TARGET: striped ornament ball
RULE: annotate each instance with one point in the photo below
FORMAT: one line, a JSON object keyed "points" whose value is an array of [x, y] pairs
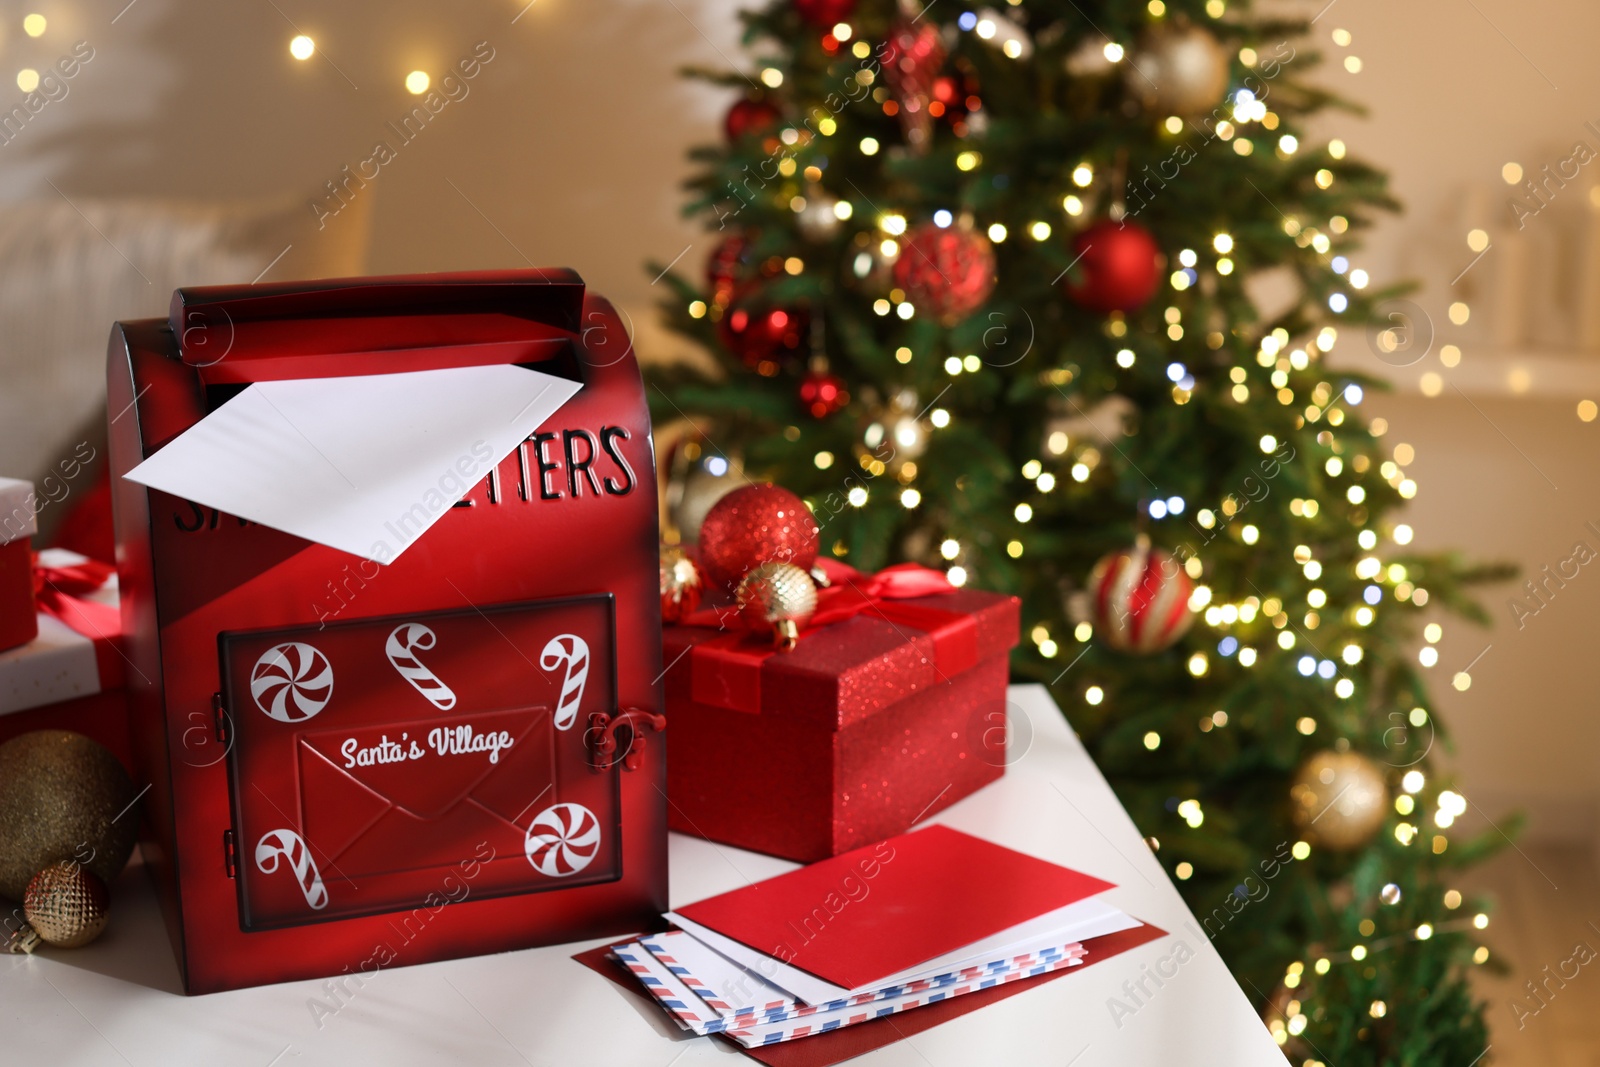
{"points": [[1141, 599]]}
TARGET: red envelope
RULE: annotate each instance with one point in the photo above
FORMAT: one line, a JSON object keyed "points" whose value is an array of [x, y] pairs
{"points": [[864, 915]]}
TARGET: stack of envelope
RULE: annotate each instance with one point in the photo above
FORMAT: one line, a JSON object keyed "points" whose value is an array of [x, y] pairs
{"points": [[914, 920]]}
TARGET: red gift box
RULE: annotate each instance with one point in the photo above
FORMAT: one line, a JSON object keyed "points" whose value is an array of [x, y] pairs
{"points": [[353, 766], [70, 676], [18, 523], [867, 726]]}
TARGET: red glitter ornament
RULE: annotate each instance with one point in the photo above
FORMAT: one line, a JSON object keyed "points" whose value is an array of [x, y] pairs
{"points": [[823, 14], [756, 524], [823, 393], [1141, 599], [948, 272], [729, 265], [763, 337], [1118, 267], [912, 60], [750, 118]]}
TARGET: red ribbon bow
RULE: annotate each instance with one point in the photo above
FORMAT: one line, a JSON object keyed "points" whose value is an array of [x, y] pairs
{"points": [[60, 592], [725, 671], [848, 593]]}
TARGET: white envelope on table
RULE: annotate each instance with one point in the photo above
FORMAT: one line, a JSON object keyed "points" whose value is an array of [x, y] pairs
{"points": [[1080, 921]]}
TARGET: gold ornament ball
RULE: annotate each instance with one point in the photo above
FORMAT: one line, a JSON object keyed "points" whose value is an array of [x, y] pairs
{"points": [[681, 584], [818, 221], [894, 433], [779, 596], [67, 905], [1178, 70], [696, 490], [867, 268], [1339, 799], [1089, 59], [62, 797]]}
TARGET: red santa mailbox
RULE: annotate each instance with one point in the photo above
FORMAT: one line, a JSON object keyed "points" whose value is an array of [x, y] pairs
{"points": [[356, 764]]}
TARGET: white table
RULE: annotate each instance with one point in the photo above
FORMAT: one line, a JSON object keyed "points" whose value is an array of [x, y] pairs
{"points": [[117, 1002]]}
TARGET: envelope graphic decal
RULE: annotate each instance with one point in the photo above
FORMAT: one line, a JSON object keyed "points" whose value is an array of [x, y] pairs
{"points": [[391, 797], [415, 810]]}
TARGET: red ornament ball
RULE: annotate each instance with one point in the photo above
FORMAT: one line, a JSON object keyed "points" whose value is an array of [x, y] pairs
{"points": [[912, 59], [823, 393], [729, 265], [947, 272], [1118, 267], [1141, 599], [824, 14], [750, 118], [761, 337], [756, 524]]}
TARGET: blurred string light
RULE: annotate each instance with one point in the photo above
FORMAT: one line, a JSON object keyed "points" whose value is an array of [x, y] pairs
{"points": [[34, 25], [417, 82], [302, 47]]}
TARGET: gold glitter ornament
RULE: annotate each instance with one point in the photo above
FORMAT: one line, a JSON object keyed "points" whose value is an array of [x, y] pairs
{"points": [[894, 433], [681, 584], [779, 596], [1339, 799], [62, 797], [1178, 69], [67, 905]]}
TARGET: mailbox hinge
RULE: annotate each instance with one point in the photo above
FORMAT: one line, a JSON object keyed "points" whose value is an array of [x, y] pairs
{"points": [[603, 741], [230, 856], [219, 716]]}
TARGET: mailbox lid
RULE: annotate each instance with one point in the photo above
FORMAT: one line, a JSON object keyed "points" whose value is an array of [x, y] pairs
{"points": [[328, 328], [394, 763]]}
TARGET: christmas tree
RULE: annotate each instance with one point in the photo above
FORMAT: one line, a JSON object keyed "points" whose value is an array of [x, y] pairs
{"points": [[1045, 296]]}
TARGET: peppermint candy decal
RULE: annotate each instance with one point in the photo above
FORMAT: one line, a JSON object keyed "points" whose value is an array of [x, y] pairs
{"points": [[400, 648], [287, 845], [291, 682], [562, 840], [571, 651]]}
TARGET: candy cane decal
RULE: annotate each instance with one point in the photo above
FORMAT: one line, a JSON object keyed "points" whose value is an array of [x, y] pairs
{"points": [[573, 651], [291, 682], [400, 646], [287, 843]]}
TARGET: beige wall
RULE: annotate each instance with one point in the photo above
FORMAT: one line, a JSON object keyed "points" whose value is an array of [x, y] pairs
{"points": [[569, 150], [1454, 94]]}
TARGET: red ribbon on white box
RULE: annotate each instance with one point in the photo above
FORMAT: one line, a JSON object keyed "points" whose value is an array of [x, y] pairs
{"points": [[76, 653]]}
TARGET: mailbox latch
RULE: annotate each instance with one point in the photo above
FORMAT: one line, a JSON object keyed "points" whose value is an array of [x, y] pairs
{"points": [[219, 716], [606, 747]]}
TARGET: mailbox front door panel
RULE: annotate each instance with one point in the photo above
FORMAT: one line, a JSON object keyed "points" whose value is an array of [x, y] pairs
{"points": [[407, 762]]}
